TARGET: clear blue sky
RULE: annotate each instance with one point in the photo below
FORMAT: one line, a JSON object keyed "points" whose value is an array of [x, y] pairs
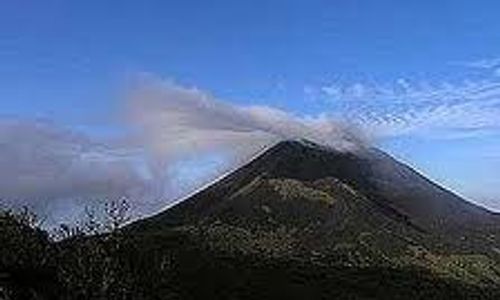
{"points": [[386, 60]]}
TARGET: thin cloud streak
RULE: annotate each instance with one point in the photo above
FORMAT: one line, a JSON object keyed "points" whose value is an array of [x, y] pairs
{"points": [[435, 111], [480, 64]]}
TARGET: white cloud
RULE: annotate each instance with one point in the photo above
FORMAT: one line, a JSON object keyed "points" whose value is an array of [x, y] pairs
{"points": [[480, 64], [44, 165], [404, 84], [442, 110], [332, 90], [175, 120]]}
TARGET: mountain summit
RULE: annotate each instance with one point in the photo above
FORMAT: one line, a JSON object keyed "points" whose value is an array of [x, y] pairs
{"points": [[306, 220]]}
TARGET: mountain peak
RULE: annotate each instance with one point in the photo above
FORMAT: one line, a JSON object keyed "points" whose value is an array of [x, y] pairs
{"points": [[390, 187], [308, 206]]}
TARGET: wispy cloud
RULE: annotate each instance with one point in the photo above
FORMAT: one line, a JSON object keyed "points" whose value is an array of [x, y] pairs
{"points": [[175, 120], [489, 63], [444, 110], [47, 167]]}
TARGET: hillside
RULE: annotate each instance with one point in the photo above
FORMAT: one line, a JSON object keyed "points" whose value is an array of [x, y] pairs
{"points": [[309, 219], [300, 221]]}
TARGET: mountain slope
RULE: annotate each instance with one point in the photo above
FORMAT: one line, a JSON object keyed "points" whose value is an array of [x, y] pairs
{"points": [[331, 213]]}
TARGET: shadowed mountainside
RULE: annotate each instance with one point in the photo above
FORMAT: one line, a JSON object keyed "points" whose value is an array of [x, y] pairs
{"points": [[300, 221], [301, 206]]}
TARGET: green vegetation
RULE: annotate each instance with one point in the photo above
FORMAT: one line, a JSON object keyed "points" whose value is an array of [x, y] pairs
{"points": [[294, 189], [221, 261], [297, 223], [87, 261]]}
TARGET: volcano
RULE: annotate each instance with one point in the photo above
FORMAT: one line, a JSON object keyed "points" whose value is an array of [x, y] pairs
{"points": [[305, 221]]}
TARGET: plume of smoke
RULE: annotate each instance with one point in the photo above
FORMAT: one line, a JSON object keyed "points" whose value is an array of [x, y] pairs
{"points": [[58, 172], [174, 121]]}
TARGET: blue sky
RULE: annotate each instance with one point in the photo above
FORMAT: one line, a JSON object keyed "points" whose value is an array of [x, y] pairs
{"points": [[423, 75]]}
